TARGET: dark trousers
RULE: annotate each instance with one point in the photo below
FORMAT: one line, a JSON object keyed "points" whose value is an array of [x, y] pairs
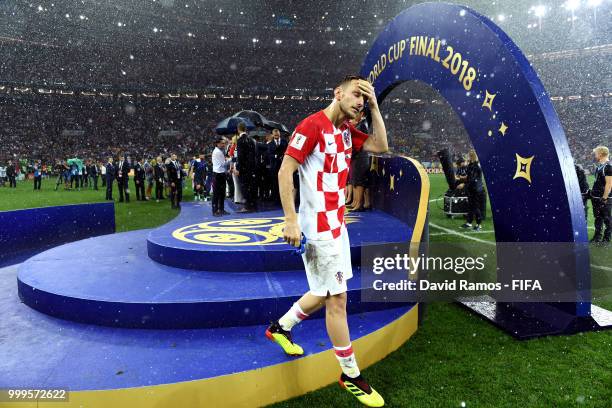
{"points": [[123, 189], [12, 181], [603, 215], [230, 186], [248, 182], [109, 189], [176, 194], [94, 181], [218, 198], [475, 200], [159, 190], [140, 189], [60, 180], [274, 183], [37, 182], [103, 181]]}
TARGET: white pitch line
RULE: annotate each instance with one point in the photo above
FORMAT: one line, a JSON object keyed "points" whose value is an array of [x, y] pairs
{"points": [[436, 199], [603, 268], [434, 234], [452, 232]]}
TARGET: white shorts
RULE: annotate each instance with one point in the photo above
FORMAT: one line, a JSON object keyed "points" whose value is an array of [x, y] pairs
{"points": [[328, 265]]}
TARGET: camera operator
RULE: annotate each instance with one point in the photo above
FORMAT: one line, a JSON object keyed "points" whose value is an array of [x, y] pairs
{"points": [[474, 187], [584, 188]]}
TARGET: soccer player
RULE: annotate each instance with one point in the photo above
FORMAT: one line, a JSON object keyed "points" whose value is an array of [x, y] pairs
{"points": [[320, 149]]}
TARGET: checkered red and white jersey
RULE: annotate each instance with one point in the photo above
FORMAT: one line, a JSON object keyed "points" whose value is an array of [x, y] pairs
{"points": [[324, 153]]}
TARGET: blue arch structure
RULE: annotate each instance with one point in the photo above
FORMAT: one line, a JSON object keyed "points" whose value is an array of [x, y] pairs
{"points": [[525, 157]]}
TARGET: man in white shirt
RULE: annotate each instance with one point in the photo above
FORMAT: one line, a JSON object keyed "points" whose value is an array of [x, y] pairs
{"points": [[219, 163]]}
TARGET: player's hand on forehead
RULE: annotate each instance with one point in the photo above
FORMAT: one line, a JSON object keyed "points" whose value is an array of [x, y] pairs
{"points": [[366, 89]]}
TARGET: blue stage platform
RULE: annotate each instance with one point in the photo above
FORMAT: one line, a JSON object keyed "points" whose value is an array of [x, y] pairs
{"points": [[253, 242], [110, 280]]}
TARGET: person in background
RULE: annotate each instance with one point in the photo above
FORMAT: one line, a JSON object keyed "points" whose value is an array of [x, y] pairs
{"points": [[110, 176], [229, 152], [584, 188], [102, 173], [84, 175], [359, 170], [246, 168], [123, 170], [37, 175], [475, 190], [276, 153], [149, 179], [235, 186], [158, 174], [11, 174], [92, 172], [219, 167], [2, 175], [198, 173], [175, 178], [139, 180], [600, 196]]}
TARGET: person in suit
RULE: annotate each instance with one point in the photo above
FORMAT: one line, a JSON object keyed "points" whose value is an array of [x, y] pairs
{"points": [[102, 168], [123, 170], [92, 171], [158, 173], [474, 187], [11, 174], [260, 168], [584, 188], [149, 178], [246, 168], [139, 180], [175, 178], [110, 176], [277, 151]]}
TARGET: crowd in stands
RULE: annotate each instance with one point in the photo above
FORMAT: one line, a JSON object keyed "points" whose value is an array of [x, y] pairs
{"points": [[54, 128]]}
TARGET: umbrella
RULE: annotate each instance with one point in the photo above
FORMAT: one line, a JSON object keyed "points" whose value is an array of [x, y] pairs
{"points": [[228, 126], [277, 125], [78, 162], [255, 117]]}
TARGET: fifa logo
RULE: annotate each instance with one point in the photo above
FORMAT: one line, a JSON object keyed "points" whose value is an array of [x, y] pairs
{"points": [[339, 277]]}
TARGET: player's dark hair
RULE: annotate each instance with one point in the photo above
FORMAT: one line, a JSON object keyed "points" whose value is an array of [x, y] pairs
{"points": [[349, 78]]}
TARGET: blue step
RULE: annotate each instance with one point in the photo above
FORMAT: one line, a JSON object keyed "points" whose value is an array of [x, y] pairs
{"points": [[253, 242]]}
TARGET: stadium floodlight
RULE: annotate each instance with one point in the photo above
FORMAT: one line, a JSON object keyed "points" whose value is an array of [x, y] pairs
{"points": [[539, 11], [501, 17], [572, 5], [594, 4]]}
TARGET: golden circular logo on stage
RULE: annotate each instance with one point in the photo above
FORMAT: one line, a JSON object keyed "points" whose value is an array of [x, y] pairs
{"points": [[237, 231]]}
